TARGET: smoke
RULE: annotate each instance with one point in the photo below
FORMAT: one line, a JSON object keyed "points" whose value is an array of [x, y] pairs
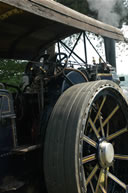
{"points": [[105, 10]]}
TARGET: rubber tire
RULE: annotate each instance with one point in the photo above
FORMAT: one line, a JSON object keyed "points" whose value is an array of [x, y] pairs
{"points": [[61, 149]]}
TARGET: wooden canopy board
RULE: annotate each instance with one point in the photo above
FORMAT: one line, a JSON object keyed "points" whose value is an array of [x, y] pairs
{"points": [[28, 26]]}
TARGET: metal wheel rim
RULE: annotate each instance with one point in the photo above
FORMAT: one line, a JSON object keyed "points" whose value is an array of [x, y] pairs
{"points": [[99, 178]]}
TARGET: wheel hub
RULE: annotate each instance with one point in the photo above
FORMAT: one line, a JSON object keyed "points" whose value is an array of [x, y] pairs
{"points": [[106, 154]]}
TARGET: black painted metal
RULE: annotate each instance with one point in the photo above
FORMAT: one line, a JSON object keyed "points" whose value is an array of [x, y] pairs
{"points": [[95, 48], [85, 49], [75, 44], [73, 52], [110, 51]]}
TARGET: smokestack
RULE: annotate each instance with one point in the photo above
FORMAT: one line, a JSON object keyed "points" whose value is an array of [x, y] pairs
{"points": [[110, 51]]}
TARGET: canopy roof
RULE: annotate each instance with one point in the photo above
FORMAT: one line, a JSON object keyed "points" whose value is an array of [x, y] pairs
{"points": [[28, 26]]}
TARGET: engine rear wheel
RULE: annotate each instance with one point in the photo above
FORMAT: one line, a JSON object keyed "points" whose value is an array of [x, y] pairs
{"points": [[85, 145]]}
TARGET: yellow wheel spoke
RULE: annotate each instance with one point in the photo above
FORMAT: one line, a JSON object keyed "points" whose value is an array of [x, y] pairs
{"points": [[102, 188], [89, 141], [106, 179], [94, 128], [107, 133], [92, 174], [99, 111], [121, 157], [114, 178], [101, 125], [99, 181], [116, 134], [92, 188], [110, 116], [88, 158]]}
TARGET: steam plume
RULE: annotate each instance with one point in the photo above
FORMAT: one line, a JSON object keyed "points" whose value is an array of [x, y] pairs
{"points": [[106, 11]]}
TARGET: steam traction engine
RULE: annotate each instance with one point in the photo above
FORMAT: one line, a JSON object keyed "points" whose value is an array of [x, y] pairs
{"points": [[65, 130]]}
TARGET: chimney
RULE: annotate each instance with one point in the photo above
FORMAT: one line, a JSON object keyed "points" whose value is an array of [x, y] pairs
{"points": [[110, 51]]}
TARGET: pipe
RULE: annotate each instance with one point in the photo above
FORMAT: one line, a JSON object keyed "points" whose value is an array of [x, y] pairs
{"points": [[110, 51]]}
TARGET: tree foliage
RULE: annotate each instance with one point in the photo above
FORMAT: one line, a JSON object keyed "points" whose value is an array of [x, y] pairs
{"points": [[11, 71]]}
